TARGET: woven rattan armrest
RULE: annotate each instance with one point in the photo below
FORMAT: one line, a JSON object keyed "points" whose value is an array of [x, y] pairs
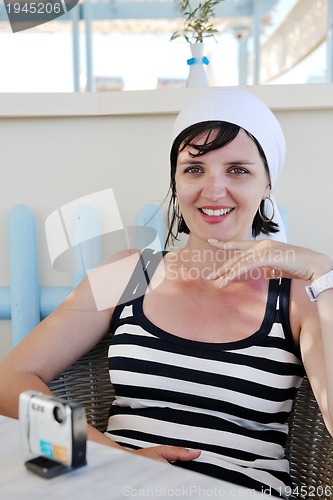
{"points": [[309, 448], [88, 382]]}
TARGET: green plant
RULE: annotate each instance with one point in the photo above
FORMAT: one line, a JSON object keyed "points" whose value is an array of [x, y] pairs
{"points": [[198, 20]]}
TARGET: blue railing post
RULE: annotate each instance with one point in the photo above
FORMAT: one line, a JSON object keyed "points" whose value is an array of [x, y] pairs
{"points": [[23, 271], [4, 302]]}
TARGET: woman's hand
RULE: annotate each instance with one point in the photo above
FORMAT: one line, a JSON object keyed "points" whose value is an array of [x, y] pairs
{"points": [[274, 260], [168, 453], [160, 453]]}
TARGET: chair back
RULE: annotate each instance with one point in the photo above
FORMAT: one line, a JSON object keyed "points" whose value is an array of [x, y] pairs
{"points": [[309, 445], [88, 382], [309, 448]]}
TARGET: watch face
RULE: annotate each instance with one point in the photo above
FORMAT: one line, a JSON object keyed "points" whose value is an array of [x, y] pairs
{"points": [[319, 285], [311, 293]]}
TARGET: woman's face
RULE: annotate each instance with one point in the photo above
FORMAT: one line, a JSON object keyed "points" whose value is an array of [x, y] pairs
{"points": [[219, 192]]}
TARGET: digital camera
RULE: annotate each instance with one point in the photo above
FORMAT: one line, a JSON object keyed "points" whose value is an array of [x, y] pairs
{"points": [[54, 429]]}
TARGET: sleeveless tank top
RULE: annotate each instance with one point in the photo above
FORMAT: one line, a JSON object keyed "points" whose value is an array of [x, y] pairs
{"points": [[230, 400]]}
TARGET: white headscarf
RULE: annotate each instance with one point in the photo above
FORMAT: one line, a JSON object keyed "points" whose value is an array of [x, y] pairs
{"points": [[244, 109]]}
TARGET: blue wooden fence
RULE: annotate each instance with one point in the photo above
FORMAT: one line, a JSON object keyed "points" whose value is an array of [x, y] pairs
{"points": [[24, 302]]}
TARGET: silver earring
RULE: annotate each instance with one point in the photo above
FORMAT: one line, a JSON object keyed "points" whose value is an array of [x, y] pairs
{"points": [[176, 209], [265, 219]]}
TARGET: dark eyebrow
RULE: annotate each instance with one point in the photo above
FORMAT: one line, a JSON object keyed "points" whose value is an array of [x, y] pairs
{"points": [[190, 161], [193, 161], [241, 162]]}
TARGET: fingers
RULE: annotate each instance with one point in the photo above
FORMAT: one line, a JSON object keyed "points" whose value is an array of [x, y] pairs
{"points": [[171, 454], [232, 252], [168, 453], [264, 258], [239, 262], [249, 259]]}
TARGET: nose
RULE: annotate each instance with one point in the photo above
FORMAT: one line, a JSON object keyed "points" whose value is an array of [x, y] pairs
{"points": [[214, 188]]}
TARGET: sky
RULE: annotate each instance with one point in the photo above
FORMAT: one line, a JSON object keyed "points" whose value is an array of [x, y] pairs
{"points": [[32, 61]]}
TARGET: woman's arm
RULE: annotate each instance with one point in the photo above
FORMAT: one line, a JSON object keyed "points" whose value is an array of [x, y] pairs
{"points": [[316, 344], [68, 333], [55, 344], [312, 323]]}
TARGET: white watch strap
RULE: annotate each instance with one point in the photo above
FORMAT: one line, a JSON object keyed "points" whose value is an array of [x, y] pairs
{"points": [[319, 285]]}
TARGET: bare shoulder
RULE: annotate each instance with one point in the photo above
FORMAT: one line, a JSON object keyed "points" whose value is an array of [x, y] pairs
{"points": [[100, 291], [108, 281]]}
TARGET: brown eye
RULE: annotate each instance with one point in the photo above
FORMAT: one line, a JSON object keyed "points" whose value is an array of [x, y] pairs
{"points": [[193, 170], [238, 171]]}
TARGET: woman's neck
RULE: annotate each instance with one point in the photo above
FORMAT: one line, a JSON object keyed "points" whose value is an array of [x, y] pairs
{"points": [[199, 260]]}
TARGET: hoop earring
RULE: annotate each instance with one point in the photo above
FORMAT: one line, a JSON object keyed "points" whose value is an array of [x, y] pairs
{"points": [[176, 210], [265, 219]]}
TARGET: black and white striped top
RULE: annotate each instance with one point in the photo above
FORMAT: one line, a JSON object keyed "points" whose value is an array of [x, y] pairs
{"points": [[230, 400]]}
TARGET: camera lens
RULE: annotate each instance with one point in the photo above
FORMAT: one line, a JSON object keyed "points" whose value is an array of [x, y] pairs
{"points": [[59, 414]]}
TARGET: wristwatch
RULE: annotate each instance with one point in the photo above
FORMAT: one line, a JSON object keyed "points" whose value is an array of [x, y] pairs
{"points": [[319, 285]]}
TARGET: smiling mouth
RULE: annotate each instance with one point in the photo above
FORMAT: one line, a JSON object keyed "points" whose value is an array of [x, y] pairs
{"points": [[216, 213]]}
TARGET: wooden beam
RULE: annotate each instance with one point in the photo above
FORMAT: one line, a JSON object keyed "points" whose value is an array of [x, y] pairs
{"points": [[301, 32], [157, 9]]}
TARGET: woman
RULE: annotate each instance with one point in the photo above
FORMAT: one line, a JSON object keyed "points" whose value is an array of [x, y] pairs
{"points": [[205, 365]]}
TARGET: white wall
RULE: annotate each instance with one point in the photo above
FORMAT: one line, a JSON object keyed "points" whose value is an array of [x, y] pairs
{"points": [[305, 186], [58, 147]]}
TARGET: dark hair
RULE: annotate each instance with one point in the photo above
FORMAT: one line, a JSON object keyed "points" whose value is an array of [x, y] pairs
{"points": [[226, 132]]}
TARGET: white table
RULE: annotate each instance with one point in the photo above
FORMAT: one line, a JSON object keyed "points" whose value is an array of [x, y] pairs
{"points": [[109, 473]]}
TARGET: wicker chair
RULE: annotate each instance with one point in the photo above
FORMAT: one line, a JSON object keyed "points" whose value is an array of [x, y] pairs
{"points": [[88, 382], [309, 446]]}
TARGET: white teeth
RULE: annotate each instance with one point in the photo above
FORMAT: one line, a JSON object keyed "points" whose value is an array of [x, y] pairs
{"points": [[222, 211]]}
